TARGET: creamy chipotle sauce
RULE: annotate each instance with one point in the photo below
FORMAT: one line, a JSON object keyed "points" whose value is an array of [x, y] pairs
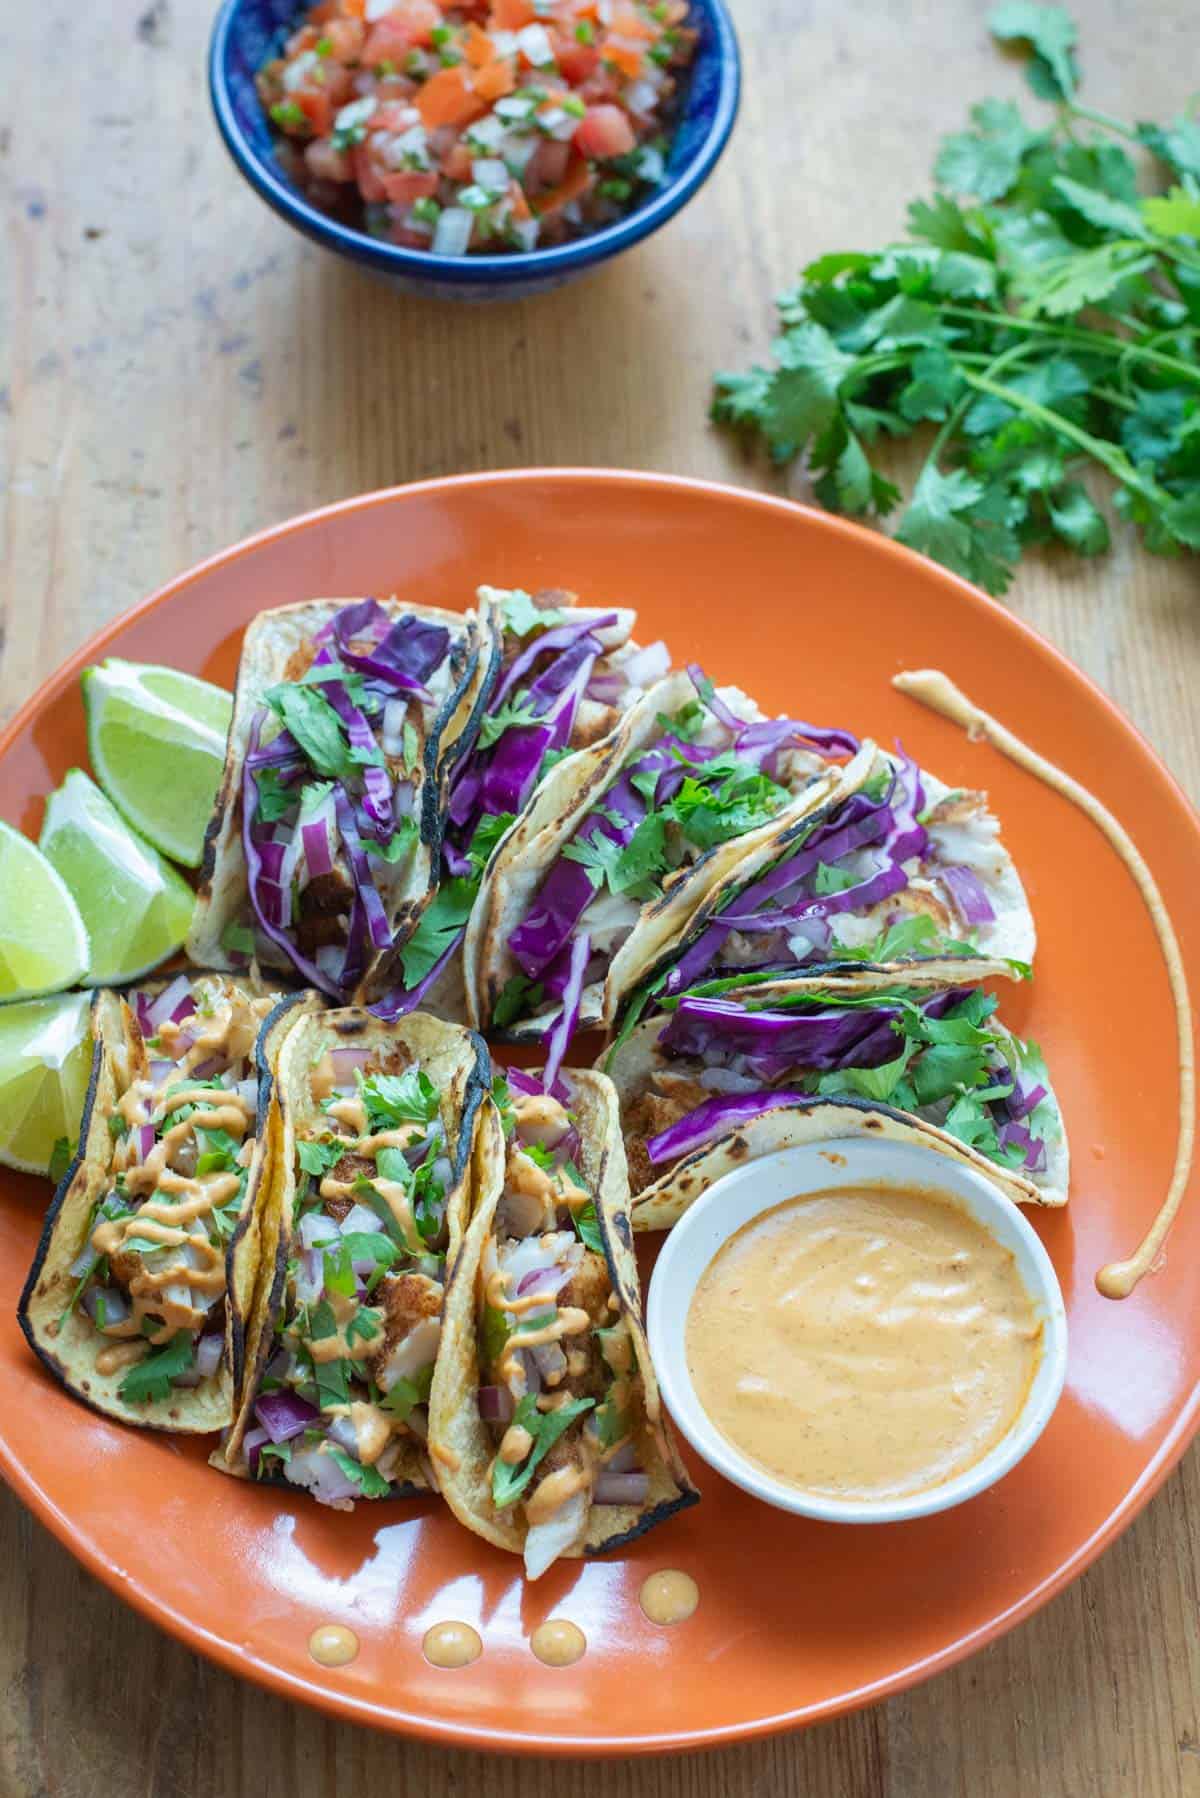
{"points": [[864, 1343]]}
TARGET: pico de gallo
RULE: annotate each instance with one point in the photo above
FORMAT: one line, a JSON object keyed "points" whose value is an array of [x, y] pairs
{"points": [[487, 125]]}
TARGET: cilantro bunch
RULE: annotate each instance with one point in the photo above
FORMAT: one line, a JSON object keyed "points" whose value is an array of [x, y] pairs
{"points": [[1043, 316]]}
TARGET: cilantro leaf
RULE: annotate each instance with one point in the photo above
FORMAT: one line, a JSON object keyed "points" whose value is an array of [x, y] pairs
{"points": [[1050, 34], [502, 1099], [441, 924], [509, 1482], [318, 1158], [521, 615], [514, 714], [275, 799], [587, 1226], [392, 1099], [60, 1159], [517, 996], [1176, 214], [487, 834], [149, 1380], [369, 1480], [403, 1396], [319, 731]]}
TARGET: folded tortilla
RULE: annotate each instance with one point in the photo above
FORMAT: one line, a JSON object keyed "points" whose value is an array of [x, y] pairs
{"points": [[373, 1130], [878, 865], [141, 1316], [624, 933], [566, 674], [571, 1288], [694, 1083], [827, 1121], [351, 918]]}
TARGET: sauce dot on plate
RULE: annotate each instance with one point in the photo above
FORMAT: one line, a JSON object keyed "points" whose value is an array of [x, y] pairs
{"points": [[333, 1645], [452, 1644], [669, 1596], [558, 1642]]}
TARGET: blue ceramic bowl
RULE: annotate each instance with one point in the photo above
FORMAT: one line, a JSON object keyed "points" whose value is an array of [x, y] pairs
{"points": [[248, 31]]}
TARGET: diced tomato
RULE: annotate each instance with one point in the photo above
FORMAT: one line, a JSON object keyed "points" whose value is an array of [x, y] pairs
{"points": [[604, 131], [338, 83], [317, 107], [575, 182], [547, 167], [478, 47], [326, 163], [510, 15], [494, 81], [392, 115], [456, 164], [627, 57], [408, 26], [409, 185], [368, 176], [395, 87], [345, 38], [577, 61], [410, 240], [600, 86], [628, 23], [448, 98]]}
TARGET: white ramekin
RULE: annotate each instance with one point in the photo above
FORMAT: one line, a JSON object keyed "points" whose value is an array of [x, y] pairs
{"points": [[808, 1168]]}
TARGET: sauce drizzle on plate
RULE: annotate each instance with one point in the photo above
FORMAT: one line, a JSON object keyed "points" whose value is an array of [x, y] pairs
{"points": [[932, 688]]}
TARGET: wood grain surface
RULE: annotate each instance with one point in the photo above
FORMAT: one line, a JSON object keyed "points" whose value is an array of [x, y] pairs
{"points": [[179, 369]]}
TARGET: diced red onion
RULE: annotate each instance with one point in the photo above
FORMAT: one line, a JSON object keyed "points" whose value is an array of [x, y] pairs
{"points": [[143, 1137], [161, 1071], [348, 1062], [209, 1350], [547, 1280], [205, 1070], [496, 1404], [316, 1228], [550, 1359], [967, 891], [174, 1002], [360, 1219], [622, 1460], [84, 1262], [621, 1489], [342, 1431], [252, 1442], [284, 1415]]}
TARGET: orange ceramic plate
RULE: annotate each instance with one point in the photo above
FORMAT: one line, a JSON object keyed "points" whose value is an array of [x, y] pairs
{"points": [[797, 1620]]}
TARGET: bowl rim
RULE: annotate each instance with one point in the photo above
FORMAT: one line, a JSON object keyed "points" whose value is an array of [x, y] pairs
{"points": [[480, 271], [710, 1223]]}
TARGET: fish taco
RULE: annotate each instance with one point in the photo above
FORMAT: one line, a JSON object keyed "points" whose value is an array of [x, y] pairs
{"points": [[142, 1287], [324, 846], [374, 1131], [881, 867], [567, 674], [691, 1080], [621, 842], [545, 1419]]}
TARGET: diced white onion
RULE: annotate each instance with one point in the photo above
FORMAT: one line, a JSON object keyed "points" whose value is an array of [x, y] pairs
{"points": [[645, 666], [485, 133], [533, 41], [391, 735], [546, 1541], [649, 164], [355, 112], [360, 1219], [316, 1228], [209, 1351], [639, 96], [453, 233], [526, 232], [418, 1350], [490, 174], [504, 43], [800, 945], [296, 73], [378, 9]]}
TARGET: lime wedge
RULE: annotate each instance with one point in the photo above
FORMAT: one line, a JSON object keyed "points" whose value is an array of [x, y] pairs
{"points": [[157, 742], [43, 944], [45, 1062], [135, 907]]}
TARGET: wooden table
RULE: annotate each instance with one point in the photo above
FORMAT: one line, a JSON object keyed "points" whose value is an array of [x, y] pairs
{"points": [[181, 369]]}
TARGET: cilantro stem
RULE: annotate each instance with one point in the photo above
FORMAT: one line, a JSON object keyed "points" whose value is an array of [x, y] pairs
{"points": [[1072, 109], [1107, 454], [1098, 341]]}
